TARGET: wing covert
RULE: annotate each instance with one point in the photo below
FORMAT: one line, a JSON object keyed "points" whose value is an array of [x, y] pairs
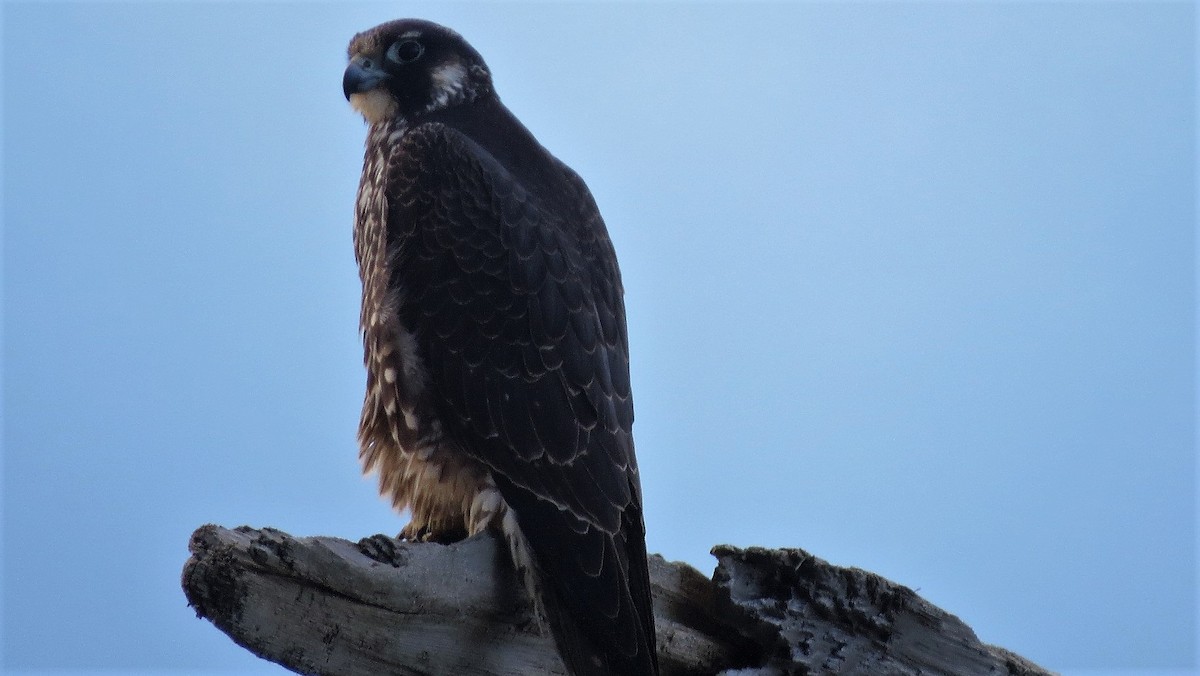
{"points": [[516, 304], [512, 299]]}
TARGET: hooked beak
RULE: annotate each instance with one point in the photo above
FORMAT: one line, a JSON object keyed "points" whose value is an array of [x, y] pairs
{"points": [[362, 75]]}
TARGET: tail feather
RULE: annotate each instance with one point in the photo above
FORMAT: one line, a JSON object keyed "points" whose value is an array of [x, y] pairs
{"points": [[600, 616]]}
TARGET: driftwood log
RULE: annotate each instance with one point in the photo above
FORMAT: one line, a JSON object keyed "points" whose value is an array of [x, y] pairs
{"points": [[323, 605]]}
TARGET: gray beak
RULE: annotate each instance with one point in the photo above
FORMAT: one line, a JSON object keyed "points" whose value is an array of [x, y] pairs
{"points": [[362, 75]]}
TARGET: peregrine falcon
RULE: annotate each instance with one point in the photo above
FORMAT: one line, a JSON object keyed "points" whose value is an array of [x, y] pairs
{"points": [[497, 361]]}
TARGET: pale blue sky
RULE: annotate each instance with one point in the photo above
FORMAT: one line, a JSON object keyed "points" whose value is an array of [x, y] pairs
{"points": [[910, 285]]}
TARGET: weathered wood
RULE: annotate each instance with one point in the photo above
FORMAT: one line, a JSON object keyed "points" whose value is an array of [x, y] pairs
{"points": [[327, 606], [823, 619]]}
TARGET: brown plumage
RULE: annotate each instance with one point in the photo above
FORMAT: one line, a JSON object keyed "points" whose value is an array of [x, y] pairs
{"points": [[494, 332]]}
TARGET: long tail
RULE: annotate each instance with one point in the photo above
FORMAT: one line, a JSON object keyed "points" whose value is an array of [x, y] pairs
{"points": [[592, 588]]}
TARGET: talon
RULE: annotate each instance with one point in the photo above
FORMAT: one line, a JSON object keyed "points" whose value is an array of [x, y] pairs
{"points": [[446, 537], [413, 533]]}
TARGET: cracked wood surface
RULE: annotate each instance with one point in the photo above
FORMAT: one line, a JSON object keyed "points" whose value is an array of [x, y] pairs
{"points": [[323, 605]]}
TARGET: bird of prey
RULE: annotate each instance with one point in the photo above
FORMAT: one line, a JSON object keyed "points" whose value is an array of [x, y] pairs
{"points": [[497, 360]]}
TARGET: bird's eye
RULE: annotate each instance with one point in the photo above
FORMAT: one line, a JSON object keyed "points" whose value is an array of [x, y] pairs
{"points": [[405, 51]]}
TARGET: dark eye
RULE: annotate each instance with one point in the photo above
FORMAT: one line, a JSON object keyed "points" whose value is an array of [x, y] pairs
{"points": [[405, 51]]}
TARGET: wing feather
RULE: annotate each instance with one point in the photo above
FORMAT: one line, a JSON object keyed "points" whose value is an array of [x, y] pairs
{"points": [[515, 299]]}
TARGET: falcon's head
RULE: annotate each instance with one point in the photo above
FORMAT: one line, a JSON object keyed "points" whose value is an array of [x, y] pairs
{"points": [[409, 67]]}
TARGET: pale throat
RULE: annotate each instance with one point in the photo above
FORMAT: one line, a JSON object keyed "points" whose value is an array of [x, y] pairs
{"points": [[376, 105]]}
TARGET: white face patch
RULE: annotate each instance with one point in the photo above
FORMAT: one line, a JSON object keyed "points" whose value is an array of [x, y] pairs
{"points": [[375, 106], [449, 83]]}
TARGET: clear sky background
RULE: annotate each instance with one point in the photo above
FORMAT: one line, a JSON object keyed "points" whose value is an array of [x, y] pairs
{"points": [[910, 285]]}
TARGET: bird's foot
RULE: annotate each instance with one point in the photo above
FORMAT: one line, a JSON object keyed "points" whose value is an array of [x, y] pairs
{"points": [[383, 549], [415, 532]]}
